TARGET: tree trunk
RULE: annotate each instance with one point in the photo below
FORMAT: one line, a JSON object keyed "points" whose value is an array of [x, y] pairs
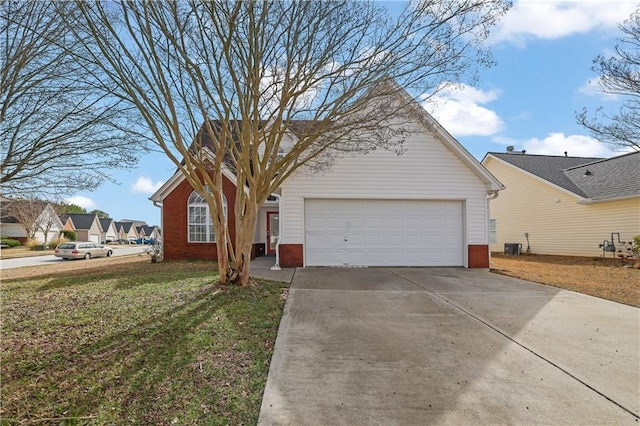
{"points": [[245, 229]]}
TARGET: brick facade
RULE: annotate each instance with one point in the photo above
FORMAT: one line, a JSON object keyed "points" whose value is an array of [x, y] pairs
{"points": [[291, 255], [478, 256], [175, 229]]}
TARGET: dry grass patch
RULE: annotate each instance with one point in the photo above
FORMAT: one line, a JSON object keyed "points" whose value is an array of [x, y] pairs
{"points": [[604, 278], [135, 343], [17, 252]]}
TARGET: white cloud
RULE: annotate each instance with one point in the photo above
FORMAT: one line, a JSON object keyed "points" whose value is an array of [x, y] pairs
{"points": [[145, 185], [457, 109], [84, 202], [592, 88], [574, 145], [552, 19]]}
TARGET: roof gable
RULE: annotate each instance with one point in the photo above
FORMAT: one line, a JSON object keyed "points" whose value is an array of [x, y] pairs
{"points": [[298, 128], [608, 178], [547, 167], [8, 209], [106, 223], [81, 221], [125, 226]]}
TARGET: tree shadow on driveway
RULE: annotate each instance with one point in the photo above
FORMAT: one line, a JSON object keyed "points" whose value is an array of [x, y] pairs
{"points": [[448, 346]]}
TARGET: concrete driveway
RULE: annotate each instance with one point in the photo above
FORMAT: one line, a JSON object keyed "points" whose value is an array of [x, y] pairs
{"points": [[409, 346]]}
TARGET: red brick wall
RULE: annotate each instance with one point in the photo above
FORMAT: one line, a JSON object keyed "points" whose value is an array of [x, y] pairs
{"points": [[291, 255], [478, 256], [175, 233]]}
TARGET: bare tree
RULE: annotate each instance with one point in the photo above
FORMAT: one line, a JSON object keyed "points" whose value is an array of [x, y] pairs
{"points": [[57, 133], [223, 84], [26, 211], [619, 75]]}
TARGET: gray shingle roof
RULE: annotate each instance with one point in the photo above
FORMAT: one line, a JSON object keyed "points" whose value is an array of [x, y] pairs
{"points": [[9, 206], [610, 177], [547, 167], [105, 223], [126, 226], [80, 220]]}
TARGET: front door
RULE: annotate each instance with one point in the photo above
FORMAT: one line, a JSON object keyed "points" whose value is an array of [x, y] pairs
{"points": [[273, 231]]}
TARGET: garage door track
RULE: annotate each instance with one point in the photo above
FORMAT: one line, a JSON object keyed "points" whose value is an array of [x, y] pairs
{"points": [[404, 346]]}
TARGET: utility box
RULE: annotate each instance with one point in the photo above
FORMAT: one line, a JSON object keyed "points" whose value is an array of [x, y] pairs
{"points": [[512, 249]]}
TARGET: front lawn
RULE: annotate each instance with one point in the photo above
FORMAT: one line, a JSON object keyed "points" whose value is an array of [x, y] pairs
{"points": [[136, 343]]}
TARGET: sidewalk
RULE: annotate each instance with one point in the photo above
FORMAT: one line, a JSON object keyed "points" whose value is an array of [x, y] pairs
{"points": [[261, 268]]}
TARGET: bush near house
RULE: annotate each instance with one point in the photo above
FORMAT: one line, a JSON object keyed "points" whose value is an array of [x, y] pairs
{"points": [[53, 243], [69, 235], [9, 242]]}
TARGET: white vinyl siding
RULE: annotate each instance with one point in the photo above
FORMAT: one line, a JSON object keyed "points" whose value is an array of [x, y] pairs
{"points": [[427, 170], [553, 218]]}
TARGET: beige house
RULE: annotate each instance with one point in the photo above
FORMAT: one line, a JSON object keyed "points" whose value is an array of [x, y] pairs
{"points": [[564, 205], [86, 225]]}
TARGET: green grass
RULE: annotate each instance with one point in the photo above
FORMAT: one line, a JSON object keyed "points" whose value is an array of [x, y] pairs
{"points": [[137, 344]]}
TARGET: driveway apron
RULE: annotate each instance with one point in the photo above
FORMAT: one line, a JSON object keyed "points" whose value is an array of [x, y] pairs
{"points": [[409, 346]]}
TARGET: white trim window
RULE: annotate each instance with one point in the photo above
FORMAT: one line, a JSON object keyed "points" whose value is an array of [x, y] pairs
{"points": [[493, 237], [199, 221]]}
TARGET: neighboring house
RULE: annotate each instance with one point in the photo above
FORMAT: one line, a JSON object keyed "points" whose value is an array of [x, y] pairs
{"points": [[109, 232], [146, 231], [86, 226], [136, 223], [426, 207], [565, 205], [126, 231], [46, 225]]}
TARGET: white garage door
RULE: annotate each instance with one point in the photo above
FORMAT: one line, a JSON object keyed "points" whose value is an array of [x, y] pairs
{"points": [[95, 238], [383, 233]]}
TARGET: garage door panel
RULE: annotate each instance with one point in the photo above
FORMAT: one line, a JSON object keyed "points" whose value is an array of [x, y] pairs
{"points": [[383, 233]]}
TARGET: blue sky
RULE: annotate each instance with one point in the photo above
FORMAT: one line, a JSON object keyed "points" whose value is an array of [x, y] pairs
{"points": [[544, 51]]}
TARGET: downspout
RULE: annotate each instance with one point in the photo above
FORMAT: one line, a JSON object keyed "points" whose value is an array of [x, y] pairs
{"points": [[492, 196], [159, 205], [276, 267]]}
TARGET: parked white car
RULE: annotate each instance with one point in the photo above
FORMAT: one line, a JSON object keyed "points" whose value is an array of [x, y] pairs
{"points": [[81, 250]]}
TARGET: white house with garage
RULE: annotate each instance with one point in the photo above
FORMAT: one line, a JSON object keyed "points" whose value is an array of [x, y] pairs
{"points": [[428, 206]]}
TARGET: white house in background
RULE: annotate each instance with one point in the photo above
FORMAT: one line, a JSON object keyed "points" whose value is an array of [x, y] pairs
{"points": [[109, 232], [426, 207], [149, 232], [564, 205], [126, 231], [46, 226]]}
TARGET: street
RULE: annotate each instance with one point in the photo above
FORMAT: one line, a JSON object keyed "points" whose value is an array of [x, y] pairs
{"points": [[51, 259]]}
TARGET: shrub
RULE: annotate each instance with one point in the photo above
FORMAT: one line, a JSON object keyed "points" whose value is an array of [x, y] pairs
{"points": [[69, 235], [636, 245], [10, 242], [53, 243], [31, 244]]}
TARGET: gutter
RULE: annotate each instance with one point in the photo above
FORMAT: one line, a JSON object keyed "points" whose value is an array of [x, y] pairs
{"points": [[604, 200]]}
